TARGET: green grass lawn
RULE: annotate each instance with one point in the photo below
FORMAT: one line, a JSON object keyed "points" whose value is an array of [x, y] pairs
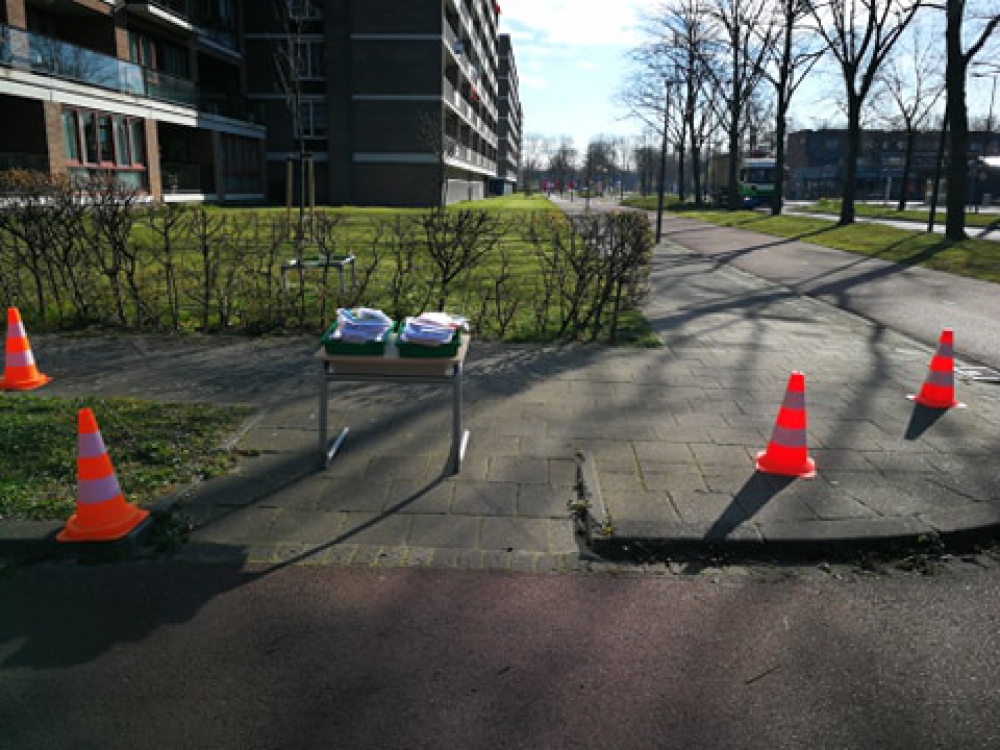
{"points": [[978, 259], [155, 448], [917, 215]]}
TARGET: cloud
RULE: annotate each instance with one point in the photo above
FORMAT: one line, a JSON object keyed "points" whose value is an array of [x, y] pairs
{"points": [[576, 22]]}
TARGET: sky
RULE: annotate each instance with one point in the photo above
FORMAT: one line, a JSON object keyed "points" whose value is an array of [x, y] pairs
{"points": [[571, 61], [571, 57]]}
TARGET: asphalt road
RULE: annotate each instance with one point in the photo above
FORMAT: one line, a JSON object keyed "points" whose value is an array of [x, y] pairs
{"points": [[166, 655]]}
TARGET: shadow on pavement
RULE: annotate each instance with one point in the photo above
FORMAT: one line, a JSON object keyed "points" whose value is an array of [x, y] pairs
{"points": [[921, 420], [758, 490]]}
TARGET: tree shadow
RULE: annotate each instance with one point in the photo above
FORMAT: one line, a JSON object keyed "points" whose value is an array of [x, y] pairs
{"points": [[757, 492]]}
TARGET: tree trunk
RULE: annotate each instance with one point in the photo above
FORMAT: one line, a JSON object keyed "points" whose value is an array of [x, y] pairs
{"points": [[733, 167], [781, 126], [911, 137], [696, 174], [777, 202], [851, 159], [958, 125], [681, 156]]}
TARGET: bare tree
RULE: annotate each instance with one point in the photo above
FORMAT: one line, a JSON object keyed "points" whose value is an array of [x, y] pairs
{"points": [[290, 64], [562, 163], [536, 146], [647, 96], [645, 160], [860, 34], [970, 26], [599, 162], [792, 56], [747, 37], [914, 85]]}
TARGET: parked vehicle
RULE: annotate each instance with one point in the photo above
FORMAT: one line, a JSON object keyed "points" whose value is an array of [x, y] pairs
{"points": [[755, 180]]}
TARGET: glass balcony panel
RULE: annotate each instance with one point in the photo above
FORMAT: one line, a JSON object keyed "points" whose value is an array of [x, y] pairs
{"points": [[40, 54]]}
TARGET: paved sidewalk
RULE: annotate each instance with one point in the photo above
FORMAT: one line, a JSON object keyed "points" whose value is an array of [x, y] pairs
{"points": [[672, 433]]}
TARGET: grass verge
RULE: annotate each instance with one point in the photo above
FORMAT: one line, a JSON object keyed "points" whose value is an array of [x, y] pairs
{"points": [[154, 448], [916, 215], [977, 259]]}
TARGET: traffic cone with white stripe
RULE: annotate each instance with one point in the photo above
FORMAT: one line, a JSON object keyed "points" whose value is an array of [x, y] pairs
{"points": [[101, 511], [19, 371], [786, 452], [938, 391]]}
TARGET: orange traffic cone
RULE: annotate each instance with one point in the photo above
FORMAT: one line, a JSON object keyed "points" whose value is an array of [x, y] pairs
{"points": [[101, 511], [19, 372], [938, 391], [786, 452]]}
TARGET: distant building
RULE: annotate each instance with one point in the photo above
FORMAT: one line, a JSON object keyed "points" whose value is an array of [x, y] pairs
{"points": [[152, 93], [400, 103], [509, 133], [815, 163]]}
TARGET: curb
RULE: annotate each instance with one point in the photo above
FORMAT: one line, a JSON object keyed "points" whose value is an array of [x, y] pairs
{"points": [[656, 542]]}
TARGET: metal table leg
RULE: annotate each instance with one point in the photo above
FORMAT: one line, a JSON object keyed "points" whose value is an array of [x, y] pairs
{"points": [[327, 451], [459, 438]]}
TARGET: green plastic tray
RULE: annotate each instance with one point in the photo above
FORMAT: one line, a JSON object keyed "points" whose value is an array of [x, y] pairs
{"points": [[336, 347]]}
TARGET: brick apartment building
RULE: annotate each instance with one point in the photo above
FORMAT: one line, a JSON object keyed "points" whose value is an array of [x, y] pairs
{"points": [[816, 164], [151, 92], [397, 103]]}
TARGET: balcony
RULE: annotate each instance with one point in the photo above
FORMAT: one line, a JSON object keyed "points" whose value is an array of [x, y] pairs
{"points": [[43, 55], [173, 14], [212, 20]]}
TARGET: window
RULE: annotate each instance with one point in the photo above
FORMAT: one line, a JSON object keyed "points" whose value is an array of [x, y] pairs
{"points": [[137, 142], [241, 164], [304, 9], [122, 151], [155, 54], [97, 139], [71, 135], [312, 118], [105, 139], [88, 124], [310, 57]]}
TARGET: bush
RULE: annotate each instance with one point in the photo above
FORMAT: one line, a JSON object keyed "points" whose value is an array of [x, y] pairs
{"points": [[74, 254]]}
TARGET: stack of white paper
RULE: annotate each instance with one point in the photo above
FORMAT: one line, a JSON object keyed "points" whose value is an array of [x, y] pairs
{"points": [[361, 326], [432, 329]]}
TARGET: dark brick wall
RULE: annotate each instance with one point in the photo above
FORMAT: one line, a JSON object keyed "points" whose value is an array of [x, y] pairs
{"points": [[395, 16], [393, 126], [397, 67]]}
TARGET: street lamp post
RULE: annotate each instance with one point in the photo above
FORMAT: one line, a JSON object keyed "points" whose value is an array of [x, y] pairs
{"points": [[663, 159]]}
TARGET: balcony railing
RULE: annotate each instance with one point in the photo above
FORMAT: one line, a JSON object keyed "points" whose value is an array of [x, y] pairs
{"points": [[24, 50]]}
